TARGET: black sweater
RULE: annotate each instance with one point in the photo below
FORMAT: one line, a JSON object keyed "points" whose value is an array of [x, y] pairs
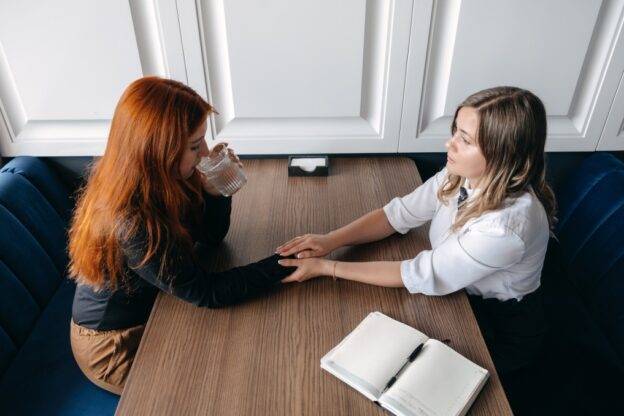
{"points": [[132, 302]]}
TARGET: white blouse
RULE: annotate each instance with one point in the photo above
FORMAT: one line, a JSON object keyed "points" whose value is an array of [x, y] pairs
{"points": [[497, 255]]}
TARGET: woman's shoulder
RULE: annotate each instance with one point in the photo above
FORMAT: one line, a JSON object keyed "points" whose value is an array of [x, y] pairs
{"points": [[521, 214]]}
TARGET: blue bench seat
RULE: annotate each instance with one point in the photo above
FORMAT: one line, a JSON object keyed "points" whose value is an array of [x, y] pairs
{"points": [[38, 374]]}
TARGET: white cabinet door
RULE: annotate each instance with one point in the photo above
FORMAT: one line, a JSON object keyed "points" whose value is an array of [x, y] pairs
{"points": [[562, 50], [287, 76], [613, 134], [64, 65], [323, 76]]}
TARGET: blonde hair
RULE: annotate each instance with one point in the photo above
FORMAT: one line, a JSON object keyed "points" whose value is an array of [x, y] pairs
{"points": [[511, 136]]}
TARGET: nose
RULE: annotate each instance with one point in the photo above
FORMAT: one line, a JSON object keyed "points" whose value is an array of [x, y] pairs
{"points": [[451, 143]]}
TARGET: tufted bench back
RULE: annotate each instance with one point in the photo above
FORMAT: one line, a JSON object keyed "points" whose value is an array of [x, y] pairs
{"points": [[34, 211], [586, 299]]}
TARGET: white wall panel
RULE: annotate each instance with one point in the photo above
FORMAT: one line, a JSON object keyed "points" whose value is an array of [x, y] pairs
{"points": [[560, 50], [304, 77], [613, 134], [324, 76], [63, 66]]}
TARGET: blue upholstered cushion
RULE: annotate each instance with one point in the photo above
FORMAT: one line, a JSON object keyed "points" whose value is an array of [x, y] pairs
{"points": [[29, 277], [38, 374], [44, 378], [45, 180], [18, 313], [33, 211], [589, 290], [32, 248]]}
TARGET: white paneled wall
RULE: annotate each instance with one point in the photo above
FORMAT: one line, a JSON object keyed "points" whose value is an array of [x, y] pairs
{"points": [[612, 137], [561, 50], [323, 76], [304, 77], [62, 66]]}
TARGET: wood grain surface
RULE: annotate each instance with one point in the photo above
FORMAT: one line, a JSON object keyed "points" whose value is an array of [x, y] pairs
{"points": [[262, 357]]}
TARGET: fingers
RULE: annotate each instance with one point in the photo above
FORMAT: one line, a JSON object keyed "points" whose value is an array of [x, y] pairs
{"points": [[291, 278], [217, 148], [306, 254], [289, 262], [287, 250], [235, 157], [295, 276], [297, 249], [298, 245], [287, 245]]}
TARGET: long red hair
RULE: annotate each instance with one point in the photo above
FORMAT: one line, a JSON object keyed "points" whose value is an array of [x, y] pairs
{"points": [[136, 186]]}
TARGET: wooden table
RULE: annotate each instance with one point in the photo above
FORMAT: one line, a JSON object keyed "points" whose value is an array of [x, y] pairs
{"points": [[262, 357]]}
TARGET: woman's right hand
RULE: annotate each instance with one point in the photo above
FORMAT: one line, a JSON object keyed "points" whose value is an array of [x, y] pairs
{"points": [[308, 245]]}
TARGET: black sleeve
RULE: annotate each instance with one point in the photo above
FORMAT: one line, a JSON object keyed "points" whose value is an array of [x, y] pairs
{"points": [[186, 279], [215, 220]]}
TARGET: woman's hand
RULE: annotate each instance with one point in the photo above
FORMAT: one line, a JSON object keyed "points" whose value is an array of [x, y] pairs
{"points": [[306, 269], [305, 246], [219, 147], [209, 187]]}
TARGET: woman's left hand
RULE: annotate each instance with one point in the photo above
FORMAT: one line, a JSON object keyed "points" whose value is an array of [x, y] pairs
{"points": [[306, 269], [231, 153], [234, 157]]}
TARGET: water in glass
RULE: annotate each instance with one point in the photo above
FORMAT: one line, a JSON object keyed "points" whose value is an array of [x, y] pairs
{"points": [[223, 172]]}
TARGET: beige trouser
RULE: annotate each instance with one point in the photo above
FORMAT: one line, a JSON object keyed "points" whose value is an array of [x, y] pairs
{"points": [[105, 357]]}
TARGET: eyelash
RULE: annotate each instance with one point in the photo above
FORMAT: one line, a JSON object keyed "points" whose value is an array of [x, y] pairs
{"points": [[463, 138], [195, 148]]}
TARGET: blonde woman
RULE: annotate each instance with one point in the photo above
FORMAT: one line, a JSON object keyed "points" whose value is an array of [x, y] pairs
{"points": [[491, 211]]}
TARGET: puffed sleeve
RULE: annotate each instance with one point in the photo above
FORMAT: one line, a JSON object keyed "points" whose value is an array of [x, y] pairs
{"points": [[462, 259], [416, 208]]}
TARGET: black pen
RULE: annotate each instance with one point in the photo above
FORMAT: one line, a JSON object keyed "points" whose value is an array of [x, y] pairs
{"points": [[410, 359], [415, 353]]}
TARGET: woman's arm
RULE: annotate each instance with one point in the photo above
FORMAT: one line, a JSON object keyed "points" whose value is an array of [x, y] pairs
{"points": [[457, 263], [370, 227], [215, 219], [399, 215], [186, 279], [379, 273]]}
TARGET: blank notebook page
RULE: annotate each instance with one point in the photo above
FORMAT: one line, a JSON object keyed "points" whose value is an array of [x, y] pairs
{"points": [[377, 349]]}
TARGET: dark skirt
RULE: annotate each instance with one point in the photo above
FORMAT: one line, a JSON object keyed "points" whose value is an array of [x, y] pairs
{"points": [[513, 330]]}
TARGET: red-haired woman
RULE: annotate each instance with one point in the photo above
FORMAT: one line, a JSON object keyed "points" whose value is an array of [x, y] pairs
{"points": [[136, 223]]}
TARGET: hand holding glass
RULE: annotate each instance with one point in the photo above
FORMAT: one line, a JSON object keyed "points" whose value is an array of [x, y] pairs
{"points": [[222, 172]]}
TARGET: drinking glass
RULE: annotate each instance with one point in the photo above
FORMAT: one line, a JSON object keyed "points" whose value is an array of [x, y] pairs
{"points": [[222, 172]]}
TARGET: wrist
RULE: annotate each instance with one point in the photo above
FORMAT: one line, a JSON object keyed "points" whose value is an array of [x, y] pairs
{"points": [[327, 268], [333, 241]]}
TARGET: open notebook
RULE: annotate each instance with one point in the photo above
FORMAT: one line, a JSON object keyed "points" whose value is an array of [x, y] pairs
{"points": [[403, 370]]}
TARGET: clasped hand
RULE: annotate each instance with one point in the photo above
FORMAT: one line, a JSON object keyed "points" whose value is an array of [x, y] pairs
{"points": [[305, 248]]}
